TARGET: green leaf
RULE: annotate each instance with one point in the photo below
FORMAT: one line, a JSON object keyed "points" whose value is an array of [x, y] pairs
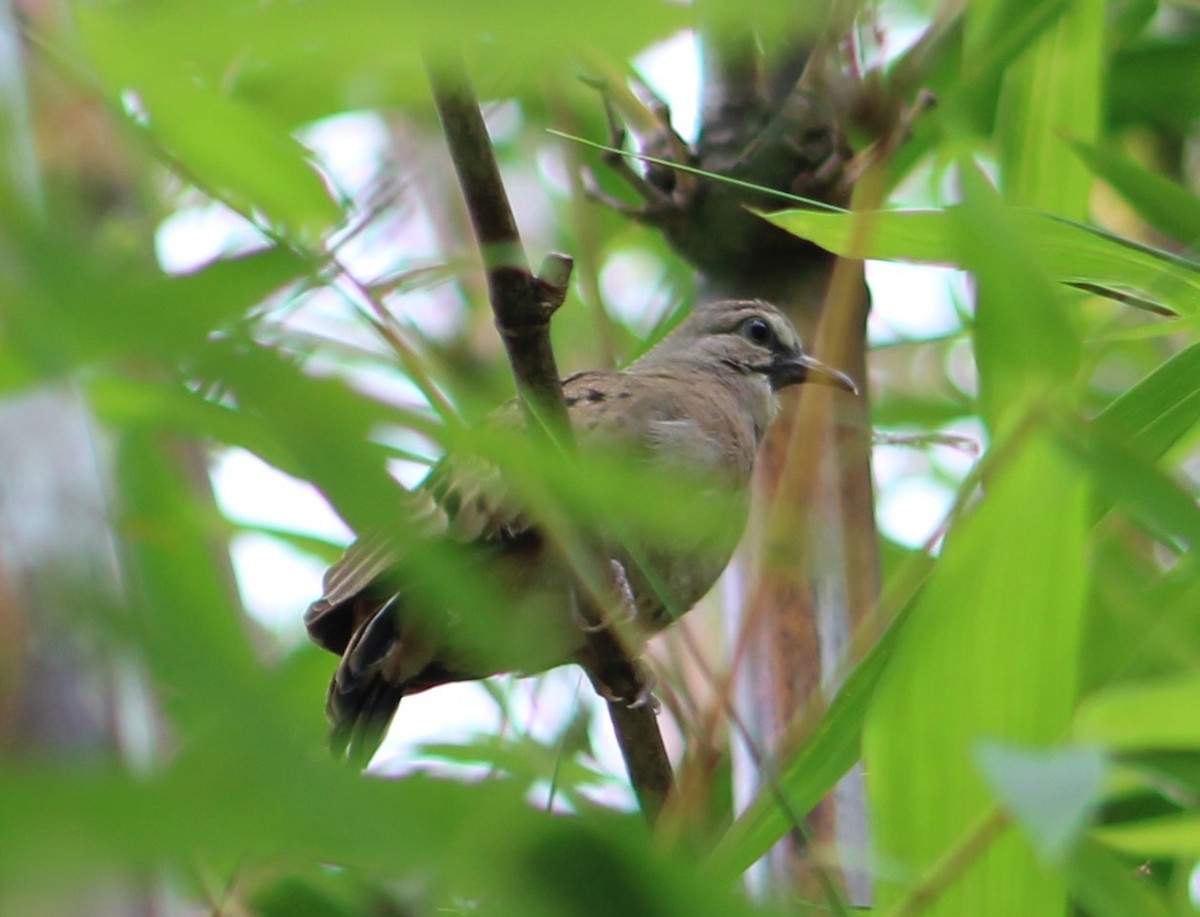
{"points": [[226, 147], [1166, 205], [323, 424], [238, 156], [1105, 886], [990, 652], [1157, 715], [1159, 409], [302, 62], [1171, 836], [183, 616], [1024, 342], [993, 39], [69, 304], [1051, 793], [1051, 91], [143, 403], [1141, 487], [1156, 81], [1067, 252]]}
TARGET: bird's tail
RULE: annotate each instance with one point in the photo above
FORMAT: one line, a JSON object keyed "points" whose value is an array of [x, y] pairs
{"points": [[366, 688]]}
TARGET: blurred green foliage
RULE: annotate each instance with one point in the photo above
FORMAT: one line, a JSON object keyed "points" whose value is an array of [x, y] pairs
{"points": [[1050, 643]]}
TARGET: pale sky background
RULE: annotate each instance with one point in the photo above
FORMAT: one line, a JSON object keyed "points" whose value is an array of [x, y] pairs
{"points": [[279, 582]]}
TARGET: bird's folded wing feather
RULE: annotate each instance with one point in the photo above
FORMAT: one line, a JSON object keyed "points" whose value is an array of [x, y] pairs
{"points": [[465, 499]]}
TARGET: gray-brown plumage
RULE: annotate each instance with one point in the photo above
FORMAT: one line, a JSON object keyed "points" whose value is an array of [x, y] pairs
{"points": [[697, 405]]}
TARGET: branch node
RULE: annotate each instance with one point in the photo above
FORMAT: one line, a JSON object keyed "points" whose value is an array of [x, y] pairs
{"points": [[553, 280]]}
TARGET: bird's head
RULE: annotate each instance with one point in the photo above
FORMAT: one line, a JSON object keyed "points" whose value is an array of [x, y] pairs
{"points": [[751, 338]]}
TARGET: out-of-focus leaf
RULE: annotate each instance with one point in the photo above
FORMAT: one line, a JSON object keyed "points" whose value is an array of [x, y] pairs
{"points": [[590, 874], [1141, 487], [1152, 415], [277, 800], [1166, 205], [1172, 836], [324, 425], [293, 896], [1156, 81], [146, 403], [1065, 251], [182, 617], [237, 155], [68, 305], [303, 62], [994, 21], [1052, 794], [1024, 342], [1104, 886], [1158, 715], [227, 148], [1011, 575], [1177, 771], [1052, 90], [523, 758], [993, 38], [1142, 624]]}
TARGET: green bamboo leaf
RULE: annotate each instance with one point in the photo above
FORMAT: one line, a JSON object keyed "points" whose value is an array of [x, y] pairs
{"points": [[164, 71], [1067, 252], [1052, 90], [966, 74], [322, 424], [1140, 486], [1159, 409], [236, 154], [141, 404], [302, 62], [1157, 715], [1171, 836], [1012, 576], [68, 306], [1156, 81], [1166, 205], [1024, 342], [1105, 886]]}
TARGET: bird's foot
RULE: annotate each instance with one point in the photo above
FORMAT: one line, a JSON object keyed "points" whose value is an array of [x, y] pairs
{"points": [[631, 686]]}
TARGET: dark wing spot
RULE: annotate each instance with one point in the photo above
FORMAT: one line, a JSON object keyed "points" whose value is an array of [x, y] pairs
{"points": [[438, 484], [591, 395], [451, 502]]}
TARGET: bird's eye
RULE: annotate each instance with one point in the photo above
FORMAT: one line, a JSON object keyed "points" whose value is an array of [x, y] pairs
{"points": [[758, 331]]}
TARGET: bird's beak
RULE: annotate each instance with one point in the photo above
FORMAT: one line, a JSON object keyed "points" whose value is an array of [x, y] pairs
{"points": [[792, 369]]}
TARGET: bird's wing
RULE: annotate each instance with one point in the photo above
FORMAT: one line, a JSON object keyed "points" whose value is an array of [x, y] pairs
{"points": [[463, 498]]}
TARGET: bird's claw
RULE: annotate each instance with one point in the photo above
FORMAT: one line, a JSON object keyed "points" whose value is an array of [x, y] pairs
{"points": [[642, 697]]}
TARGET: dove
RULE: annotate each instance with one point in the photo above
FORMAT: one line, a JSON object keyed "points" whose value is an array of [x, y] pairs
{"points": [[697, 405]]}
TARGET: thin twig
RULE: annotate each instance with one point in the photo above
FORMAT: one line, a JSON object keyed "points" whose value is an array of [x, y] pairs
{"points": [[966, 850], [523, 304]]}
